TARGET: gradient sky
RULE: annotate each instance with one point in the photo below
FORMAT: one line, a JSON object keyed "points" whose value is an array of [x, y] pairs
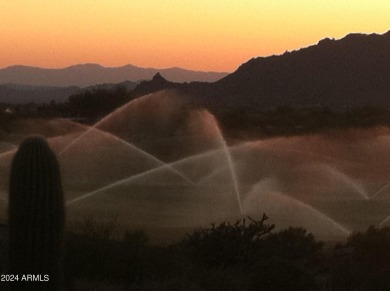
{"points": [[215, 35]]}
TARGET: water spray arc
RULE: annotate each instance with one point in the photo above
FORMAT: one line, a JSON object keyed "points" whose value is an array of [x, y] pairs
{"points": [[144, 174], [170, 159], [279, 196], [380, 191]]}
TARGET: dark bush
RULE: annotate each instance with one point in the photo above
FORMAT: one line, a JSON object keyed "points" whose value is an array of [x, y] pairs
{"points": [[228, 244], [292, 244], [275, 274], [363, 263]]}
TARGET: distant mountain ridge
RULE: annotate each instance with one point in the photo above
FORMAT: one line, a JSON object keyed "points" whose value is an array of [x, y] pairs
{"points": [[352, 71], [22, 94], [84, 75], [349, 72]]}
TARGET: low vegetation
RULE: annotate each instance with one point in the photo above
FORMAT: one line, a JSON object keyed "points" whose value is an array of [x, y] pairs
{"points": [[246, 255]]}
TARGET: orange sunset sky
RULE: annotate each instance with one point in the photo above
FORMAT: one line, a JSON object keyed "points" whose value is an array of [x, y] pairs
{"points": [[213, 35]]}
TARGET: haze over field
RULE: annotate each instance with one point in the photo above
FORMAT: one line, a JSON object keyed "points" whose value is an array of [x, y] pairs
{"points": [[159, 162]]}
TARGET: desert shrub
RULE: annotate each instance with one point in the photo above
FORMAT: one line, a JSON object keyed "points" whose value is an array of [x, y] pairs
{"points": [[135, 239], [363, 262], [228, 244], [372, 248], [251, 257], [93, 228], [241, 256], [102, 258], [293, 243], [276, 274], [242, 242]]}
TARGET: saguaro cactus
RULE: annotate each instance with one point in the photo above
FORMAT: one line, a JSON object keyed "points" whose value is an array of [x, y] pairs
{"points": [[36, 216]]}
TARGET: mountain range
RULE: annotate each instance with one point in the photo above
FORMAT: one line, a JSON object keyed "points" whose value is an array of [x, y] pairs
{"points": [[22, 94], [352, 71], [84, 75]]}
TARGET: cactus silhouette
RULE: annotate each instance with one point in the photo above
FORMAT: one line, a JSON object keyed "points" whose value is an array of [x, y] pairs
{"points": [[36, 216]]}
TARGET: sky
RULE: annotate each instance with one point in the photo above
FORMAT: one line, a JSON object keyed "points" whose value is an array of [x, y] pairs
{"points": [[208, 35]]}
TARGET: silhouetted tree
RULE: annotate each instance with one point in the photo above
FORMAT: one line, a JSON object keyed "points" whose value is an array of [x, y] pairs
{"points": [[96, 103]]}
